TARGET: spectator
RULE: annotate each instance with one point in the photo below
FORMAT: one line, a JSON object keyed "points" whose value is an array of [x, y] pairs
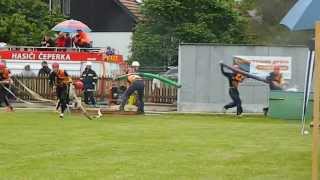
{"points": [[45, 70], [68, 40], [75, 41], [47, 41], [89, 79], [61, 40], [83, 40], [27, 72], [109, 51]]}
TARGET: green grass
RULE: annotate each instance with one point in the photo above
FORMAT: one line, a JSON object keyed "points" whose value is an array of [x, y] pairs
{"points": [[37, 145]]}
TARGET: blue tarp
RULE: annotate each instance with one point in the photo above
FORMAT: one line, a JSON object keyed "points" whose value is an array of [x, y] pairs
{"points": [[303, 15]]}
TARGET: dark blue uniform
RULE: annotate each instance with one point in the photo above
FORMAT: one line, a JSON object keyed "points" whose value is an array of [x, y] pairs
{"points": [[273, 77], [136, 84], [270, 79], [89, 78], [234, 81]]}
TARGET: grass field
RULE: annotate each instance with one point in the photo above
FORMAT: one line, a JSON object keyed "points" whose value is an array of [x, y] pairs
{"points": [[37, 145]]}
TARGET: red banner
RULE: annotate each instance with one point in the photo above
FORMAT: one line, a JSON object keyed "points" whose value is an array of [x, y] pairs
{"points": [[51, 56]]}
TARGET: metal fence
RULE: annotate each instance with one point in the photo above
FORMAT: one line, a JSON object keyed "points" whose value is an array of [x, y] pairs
{"points": [[40, 85], [204, 89]]}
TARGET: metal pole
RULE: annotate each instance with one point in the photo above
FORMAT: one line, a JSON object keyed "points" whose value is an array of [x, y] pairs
{"points": [[50, 6], [316, 106]]}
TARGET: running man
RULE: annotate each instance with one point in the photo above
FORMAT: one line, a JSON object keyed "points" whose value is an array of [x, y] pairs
{"points": [[234, 81], [60, 80], [5, 81]]}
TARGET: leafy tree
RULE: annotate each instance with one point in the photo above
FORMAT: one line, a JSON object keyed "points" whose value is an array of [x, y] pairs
{"points": [[264, 24], [24, 22], [167, 23]]}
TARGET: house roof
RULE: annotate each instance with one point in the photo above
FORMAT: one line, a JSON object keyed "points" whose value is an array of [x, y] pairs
{"points": [[131, 6]]}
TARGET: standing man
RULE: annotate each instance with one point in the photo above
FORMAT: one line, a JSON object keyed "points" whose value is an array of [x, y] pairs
{"points": [[275, 81], [136, 83], [27, 72], [89, 78], [45, 70], [234, 81], [60, 80], [5, 81]]}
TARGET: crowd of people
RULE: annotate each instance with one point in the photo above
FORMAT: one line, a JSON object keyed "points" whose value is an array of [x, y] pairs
{"points": [[64, 40], [57, 79], [44, 71]]}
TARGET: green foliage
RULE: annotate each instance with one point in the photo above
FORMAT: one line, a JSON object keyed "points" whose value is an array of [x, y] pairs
{"points": [[167, 23], [24, 22], [268, 30]]}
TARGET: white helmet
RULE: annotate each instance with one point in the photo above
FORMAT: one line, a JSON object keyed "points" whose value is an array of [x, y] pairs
{"points": [[89, 63], [135, 64]]}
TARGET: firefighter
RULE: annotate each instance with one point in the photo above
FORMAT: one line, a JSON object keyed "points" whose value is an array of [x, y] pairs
{"points": [[5, 81], [276, 82], [234, 81], [60, 81], [136, 83], [89, 78], [275, 79]]}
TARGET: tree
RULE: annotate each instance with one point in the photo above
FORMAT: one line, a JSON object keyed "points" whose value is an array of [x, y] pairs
{"points": [[24, 22], [264, 24], [167, 23]]}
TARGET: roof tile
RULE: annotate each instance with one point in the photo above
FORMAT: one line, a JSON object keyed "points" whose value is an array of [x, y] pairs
{"points": [[133, 7]]}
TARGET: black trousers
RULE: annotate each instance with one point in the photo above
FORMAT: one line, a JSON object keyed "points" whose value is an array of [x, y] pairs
{"points": [[236, 101], [4, 97], [138, 86], [89, 97], [62, 95]]}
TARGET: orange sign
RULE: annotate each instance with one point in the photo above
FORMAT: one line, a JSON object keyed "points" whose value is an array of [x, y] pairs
{"points": [[114, 58]]}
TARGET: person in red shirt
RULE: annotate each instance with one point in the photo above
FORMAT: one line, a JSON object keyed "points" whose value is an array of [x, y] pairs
{"points": [[61, 40]]}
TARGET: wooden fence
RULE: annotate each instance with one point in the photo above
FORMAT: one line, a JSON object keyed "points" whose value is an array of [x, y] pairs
{"points": [[166, 95]]}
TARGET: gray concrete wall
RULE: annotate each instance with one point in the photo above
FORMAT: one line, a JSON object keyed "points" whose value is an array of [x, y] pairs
{"points": [[204, 89]]}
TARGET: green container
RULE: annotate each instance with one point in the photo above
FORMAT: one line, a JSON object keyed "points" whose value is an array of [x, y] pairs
{"points": [[288, 105]]}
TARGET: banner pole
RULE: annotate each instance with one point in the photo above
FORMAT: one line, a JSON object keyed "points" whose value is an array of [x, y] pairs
{"points": [[316, 106]]}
